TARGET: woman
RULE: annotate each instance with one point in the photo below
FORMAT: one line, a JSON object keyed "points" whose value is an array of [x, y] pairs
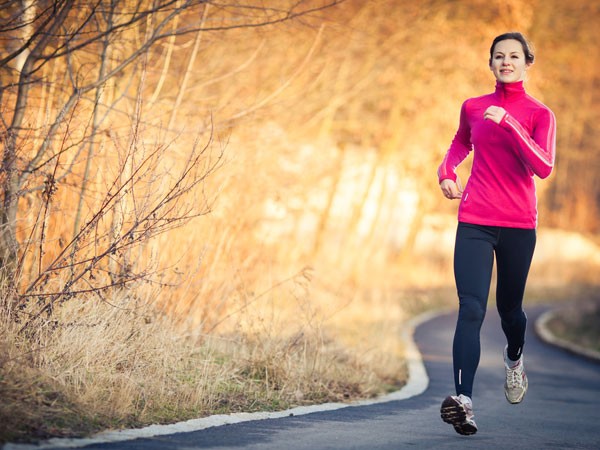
{"points": [[513, 138]]}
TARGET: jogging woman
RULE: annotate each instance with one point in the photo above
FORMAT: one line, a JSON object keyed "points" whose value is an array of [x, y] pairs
{"points": [[512, 136]]}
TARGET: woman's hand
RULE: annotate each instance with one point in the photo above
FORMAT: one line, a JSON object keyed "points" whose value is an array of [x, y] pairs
{"points": [[494, 113], [450, 189]]}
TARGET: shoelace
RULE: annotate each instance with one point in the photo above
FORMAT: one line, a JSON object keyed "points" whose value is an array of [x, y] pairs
{"points": [[514, 377]]}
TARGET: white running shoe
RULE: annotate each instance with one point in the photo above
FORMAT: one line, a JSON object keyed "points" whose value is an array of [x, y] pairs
{"points": [[458, 412], [516, 382]]}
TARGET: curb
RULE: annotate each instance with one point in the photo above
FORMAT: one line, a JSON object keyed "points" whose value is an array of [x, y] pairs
{"points": [[543, 332], [417, 383]]}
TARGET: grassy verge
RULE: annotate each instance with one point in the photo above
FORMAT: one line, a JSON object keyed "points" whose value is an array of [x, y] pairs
{"points": [[99, 366]]}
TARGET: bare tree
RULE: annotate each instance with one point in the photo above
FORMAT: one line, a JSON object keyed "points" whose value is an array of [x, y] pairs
{"points": [[76, 63]]}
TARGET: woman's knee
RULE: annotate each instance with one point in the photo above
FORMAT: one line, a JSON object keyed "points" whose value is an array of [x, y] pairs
{"points": [[513, 316], [471, 310]]}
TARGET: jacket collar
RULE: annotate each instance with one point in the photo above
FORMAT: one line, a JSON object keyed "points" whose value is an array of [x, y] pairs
{"points": [[510, 91]]}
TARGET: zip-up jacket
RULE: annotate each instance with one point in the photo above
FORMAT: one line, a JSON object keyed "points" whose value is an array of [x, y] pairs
{"points": [[501, 189]]}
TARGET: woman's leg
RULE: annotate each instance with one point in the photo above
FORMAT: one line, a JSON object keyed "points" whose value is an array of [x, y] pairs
{"points": [[473, 263], [514, 253]]}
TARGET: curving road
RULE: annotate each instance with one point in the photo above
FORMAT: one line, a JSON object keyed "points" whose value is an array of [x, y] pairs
{"points": [[561, 409]]}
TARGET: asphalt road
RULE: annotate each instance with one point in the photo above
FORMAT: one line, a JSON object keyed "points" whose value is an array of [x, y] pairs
{"points": [[561, 409]]}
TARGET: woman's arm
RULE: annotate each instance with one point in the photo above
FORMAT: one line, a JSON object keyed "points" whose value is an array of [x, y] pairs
{"points": [[459, 149], [537, 151]]}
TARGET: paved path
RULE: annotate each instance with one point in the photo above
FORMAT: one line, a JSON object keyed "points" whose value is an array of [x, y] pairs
{"points": [[560, 411]]}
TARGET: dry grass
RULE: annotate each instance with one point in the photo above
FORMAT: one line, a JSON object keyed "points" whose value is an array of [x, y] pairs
{"points": [[99, 366]]}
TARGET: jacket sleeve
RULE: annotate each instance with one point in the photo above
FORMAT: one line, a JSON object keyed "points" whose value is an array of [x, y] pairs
{"points": [[459, 149], [537, 150]]}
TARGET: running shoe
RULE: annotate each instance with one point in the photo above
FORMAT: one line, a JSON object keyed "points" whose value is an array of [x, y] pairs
{"points": [[458, 412], [516, 382]]}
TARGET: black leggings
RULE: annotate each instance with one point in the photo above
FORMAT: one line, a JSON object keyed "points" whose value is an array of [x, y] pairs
{"points": [[473, 263]]}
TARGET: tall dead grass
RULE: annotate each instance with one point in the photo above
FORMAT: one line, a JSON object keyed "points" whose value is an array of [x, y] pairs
{"points": [[120, 364]]}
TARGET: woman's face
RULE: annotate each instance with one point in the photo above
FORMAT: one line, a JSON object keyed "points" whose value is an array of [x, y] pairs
{"points": [[508, 61]]}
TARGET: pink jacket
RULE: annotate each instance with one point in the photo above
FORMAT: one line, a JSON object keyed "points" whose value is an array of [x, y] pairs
{"points": [[501, 190]]}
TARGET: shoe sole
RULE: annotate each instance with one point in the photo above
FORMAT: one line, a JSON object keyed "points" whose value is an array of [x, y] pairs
{"points": [[454, 413]]}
